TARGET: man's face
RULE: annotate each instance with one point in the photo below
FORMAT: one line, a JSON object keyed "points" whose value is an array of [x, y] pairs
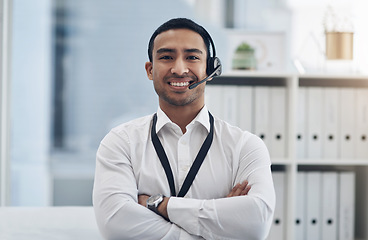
{"points": [[178, 59]]}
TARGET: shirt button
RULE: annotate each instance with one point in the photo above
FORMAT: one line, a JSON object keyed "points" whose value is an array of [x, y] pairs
{"points": [[185, 168], [184, 142]]}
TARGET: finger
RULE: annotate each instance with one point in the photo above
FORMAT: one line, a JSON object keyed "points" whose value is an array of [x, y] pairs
{"points": [[244, 183], [246, 188], [245, 191], [232, 192], [238, 191], [241, 188]]}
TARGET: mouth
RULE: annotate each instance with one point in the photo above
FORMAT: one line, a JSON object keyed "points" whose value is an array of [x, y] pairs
{"points": [[181, 84]]}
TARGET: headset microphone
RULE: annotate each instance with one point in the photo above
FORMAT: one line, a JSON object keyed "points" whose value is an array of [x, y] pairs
{"points": [[216, 72]]}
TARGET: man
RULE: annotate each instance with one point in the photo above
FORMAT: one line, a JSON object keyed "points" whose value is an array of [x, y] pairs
{"points": [[142, 164]]}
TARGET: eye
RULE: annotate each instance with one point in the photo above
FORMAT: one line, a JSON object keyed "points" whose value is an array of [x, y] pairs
{"points": [[193, 58], [165, 57]]}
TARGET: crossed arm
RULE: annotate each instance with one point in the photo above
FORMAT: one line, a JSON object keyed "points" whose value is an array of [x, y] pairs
{"points": [[243, 213], [240, 189]]}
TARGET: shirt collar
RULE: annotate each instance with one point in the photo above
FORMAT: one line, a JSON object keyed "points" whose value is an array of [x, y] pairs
{"points": [[202, 118]]}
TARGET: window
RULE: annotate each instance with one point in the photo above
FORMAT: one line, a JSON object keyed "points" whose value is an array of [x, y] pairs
{"points": [[82, 74]]}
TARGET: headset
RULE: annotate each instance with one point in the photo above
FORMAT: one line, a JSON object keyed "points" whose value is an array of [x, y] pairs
{"points": [[214, 67]]}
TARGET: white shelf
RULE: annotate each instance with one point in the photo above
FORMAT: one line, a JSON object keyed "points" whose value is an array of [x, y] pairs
{"points": [[290, 163], [333, 162], [326, 76], [246, 73], [281, 161], [334, 76], [321, 162]]}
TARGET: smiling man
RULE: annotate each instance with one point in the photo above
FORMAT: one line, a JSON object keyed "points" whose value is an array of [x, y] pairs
{"points": [[182, 173], [179, 58]]}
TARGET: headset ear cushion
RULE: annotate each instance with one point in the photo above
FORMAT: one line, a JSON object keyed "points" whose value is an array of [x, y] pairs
{"points": [[212, 64], [217, 67]]}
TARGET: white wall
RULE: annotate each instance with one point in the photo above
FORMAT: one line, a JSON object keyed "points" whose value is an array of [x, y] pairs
{"points": [[308, 39]]}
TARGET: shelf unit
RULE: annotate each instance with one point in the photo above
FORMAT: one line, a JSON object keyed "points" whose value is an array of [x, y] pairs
{"points": [[291, 164]]}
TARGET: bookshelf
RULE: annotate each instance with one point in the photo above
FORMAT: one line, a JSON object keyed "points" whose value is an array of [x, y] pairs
{"points": [[291, 162]]}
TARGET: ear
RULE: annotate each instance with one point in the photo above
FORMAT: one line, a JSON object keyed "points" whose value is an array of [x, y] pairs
{"points": [[148, 67]]}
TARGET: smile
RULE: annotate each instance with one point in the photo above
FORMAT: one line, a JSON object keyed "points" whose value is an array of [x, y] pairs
{"points": [[179, 84]]}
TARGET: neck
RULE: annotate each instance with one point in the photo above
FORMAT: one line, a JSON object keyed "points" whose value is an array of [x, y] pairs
{"points": [[182, 115]]}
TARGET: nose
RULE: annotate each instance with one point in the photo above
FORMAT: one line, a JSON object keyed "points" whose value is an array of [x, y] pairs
{"points": [[179, 67]]}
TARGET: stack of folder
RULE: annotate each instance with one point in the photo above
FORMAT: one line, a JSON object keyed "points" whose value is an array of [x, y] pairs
{"points": [[257, 109], [325, 206], [332, 123]]}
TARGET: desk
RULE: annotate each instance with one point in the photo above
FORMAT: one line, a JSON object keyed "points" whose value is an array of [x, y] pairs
{"points": [[51, 223]]}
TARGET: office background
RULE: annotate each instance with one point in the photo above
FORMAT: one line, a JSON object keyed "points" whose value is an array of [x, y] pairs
{"points": [[77, 70]]}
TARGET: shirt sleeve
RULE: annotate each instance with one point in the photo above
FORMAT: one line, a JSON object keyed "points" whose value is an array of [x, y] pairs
{"points": [[115, 200], [244, 217]]}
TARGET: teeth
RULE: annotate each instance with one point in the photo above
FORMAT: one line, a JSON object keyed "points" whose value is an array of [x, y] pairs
{"points": [[179, 84]]}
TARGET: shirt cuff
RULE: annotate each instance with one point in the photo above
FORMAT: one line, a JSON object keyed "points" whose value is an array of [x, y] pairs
{"points": [[184, 212]]}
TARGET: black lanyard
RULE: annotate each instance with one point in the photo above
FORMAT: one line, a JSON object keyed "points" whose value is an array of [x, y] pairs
{"points": [[195, 166]]}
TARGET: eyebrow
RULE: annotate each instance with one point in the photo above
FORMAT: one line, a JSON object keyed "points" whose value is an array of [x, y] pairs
{"points": [[190, 50], [194, 50], [164, 50]]}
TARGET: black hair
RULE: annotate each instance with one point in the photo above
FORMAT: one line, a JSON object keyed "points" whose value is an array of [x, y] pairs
{"points": [[182, 23]]}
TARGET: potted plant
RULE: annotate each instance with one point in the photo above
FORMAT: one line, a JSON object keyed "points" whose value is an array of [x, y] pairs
{"points": [[339, 35], [244, 57]]}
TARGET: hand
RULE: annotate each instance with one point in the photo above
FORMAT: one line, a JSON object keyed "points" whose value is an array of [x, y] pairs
{"points": [[162, 208], [239, 189], [142, 199]]}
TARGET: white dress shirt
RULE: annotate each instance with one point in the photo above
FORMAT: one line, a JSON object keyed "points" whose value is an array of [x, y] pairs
{"points": [[127, 165]]}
